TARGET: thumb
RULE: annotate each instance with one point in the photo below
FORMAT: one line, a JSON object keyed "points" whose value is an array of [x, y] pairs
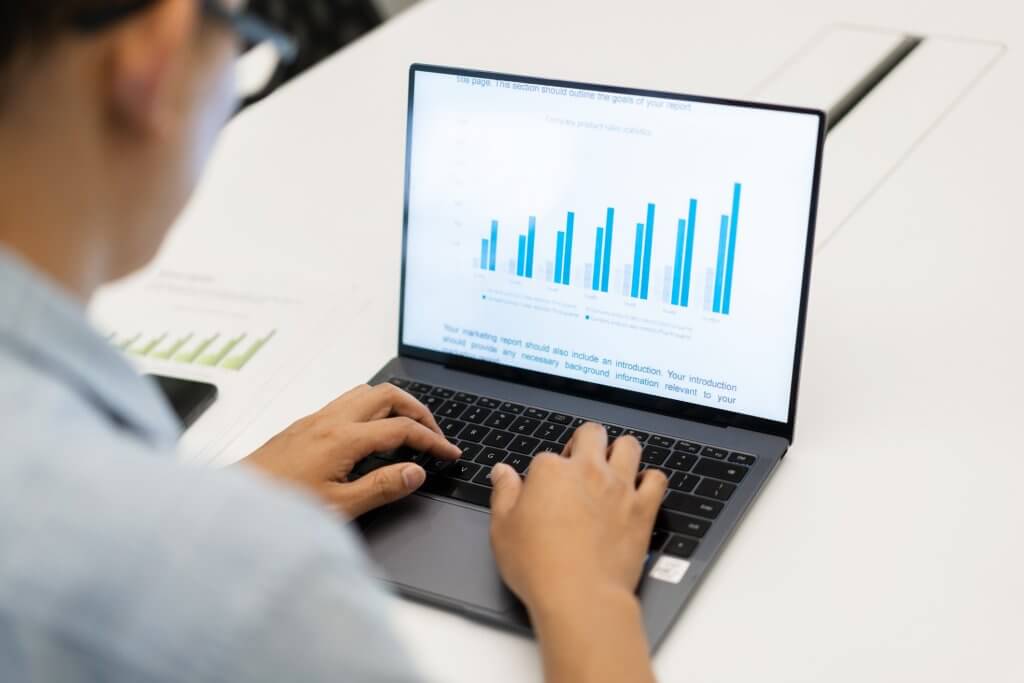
{"points": [[380, 487], [507, 485]]}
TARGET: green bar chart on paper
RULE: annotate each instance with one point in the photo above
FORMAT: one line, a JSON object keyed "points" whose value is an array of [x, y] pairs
{"points": [[211, 349], [238, 362]]}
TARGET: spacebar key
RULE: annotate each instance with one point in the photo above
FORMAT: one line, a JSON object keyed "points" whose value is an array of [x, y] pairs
{"points": [[459, 490]]}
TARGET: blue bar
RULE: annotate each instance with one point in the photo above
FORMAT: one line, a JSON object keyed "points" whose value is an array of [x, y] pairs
{"points": [[606, 267], [483, 254], [567, 268], [648, 245], [638, 257], [598, 244], [493, 260], [723, 237], [727, 294], [559, 252], [691, 222], [677, 266], [521, 257], [529, 245]]}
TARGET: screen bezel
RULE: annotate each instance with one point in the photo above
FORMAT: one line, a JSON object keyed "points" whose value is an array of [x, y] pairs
{"points": [[624, 397]]}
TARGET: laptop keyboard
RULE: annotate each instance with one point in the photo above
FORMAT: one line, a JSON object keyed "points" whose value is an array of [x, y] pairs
{"points": [[489, 431]]}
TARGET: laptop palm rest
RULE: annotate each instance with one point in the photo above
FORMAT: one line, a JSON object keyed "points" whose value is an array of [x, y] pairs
{"points": [[440, 552]]}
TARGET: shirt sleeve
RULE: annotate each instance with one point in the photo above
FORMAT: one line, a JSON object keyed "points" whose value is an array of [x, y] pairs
{"points": [[326, 621], [305, 605]]}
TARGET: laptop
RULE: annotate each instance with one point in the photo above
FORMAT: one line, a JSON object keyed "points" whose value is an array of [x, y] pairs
{"points": [[576, 252]]}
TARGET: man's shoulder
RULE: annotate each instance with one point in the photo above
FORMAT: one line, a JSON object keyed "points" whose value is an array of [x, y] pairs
{"points": [[104, 536]]}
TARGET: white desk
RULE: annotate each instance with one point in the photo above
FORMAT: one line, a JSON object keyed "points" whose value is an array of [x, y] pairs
{"points": [[888, 546]]}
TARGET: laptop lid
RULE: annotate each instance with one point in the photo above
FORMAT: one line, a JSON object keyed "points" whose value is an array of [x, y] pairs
{"points": [[642, 248]]}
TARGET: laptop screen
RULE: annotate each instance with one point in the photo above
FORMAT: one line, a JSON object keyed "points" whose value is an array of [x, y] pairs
{"points": [[655, 244]]}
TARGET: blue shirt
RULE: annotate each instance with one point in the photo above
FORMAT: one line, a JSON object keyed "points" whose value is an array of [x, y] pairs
{"points": [[119, 564]]}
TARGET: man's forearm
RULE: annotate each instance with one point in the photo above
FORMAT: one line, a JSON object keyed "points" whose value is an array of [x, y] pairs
{"points": [[595, 636]]}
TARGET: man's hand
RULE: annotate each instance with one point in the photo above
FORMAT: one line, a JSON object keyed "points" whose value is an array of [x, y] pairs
{"points": [[570, 541], [319, 451]]}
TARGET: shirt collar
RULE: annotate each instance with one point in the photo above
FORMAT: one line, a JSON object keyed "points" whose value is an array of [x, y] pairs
{"points": [[42, 326]]}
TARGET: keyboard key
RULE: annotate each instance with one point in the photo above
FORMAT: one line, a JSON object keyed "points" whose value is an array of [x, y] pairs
{"points": [[469, 449], [682, 524], [683, 482], [483, 477], [498, 439], [399, 382], [474, 433], [488, 403], [462, 470], [716, 453], [451, 428], [524, 444], [476, 414], [566, 435], [719, 490], [518, 462], [661, 441], [742, 459], [433, 403], [451, 409], [500, 420], [614, 431], [560, 419], [692, 505], [509, 407], [406, 454], [636, 434], [459, 490], [463, 397], [681, 461], [421, 387], [491, 456], [653, 455], [536, 413], [680, 546], [550, 447], [443, 393], [437, 466], [549, 431], [720, 470], [688, 447], [658, 538], [524, 425]]}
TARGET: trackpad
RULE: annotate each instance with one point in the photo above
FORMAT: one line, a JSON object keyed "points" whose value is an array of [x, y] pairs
{"points": [[438, 547]]}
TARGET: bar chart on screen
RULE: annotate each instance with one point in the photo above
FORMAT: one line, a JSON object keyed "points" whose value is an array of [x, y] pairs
{"points": [[672, 237], [629, 239]]}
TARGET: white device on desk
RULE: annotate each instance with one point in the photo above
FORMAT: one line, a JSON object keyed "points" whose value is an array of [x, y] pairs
{"points": [[576, 253]]}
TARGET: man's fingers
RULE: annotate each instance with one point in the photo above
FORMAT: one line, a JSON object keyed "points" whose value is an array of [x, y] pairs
{"points": [[507, 485], [395, 432], [651, 491], [625, 458], [347, 398], [589, 443], [386, 400], [380, 487]]}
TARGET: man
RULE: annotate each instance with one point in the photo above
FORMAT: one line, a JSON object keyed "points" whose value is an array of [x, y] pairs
{"points": [[116, 564]]}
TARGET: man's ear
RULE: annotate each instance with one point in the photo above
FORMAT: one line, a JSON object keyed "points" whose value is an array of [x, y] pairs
{"points": [[149, 52]]}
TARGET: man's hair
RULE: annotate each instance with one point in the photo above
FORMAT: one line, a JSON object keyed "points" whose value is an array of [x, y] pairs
{"points": [[31, 23]]}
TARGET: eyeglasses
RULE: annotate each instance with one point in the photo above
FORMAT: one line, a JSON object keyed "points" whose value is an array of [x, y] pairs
{"points": [[276, 48]]}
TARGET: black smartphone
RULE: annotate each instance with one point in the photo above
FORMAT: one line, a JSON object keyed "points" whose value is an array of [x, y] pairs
{"points": [[188, 398]]}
